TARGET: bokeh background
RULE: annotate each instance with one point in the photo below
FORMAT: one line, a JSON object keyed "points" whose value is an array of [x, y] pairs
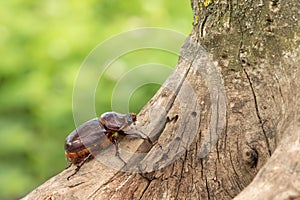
{"points": [[42, 45]]}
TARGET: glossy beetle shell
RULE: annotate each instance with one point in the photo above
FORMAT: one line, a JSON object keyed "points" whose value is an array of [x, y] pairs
{"points": [[86, 139], [95, 135]]}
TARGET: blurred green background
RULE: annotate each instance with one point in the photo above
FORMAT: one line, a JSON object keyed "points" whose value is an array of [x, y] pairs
{"points": [[43, 44]]}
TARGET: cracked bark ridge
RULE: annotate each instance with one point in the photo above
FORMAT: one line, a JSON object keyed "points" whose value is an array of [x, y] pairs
{"points": [[256, 47]]}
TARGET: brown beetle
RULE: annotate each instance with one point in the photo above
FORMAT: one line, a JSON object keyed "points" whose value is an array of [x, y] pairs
{"points": [[95, 135]]}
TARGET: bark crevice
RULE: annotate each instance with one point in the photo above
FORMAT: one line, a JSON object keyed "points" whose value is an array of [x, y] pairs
{"points": [[260, 121]]}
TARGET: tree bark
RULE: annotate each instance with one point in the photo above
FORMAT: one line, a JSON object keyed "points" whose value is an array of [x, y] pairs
{"points": [[225, 124]]}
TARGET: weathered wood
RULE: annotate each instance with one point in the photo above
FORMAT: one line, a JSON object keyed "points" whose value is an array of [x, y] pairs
{"points": [[279, 177], [242, 57]]}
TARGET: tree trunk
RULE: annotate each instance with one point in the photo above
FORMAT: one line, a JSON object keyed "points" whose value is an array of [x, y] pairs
{"points": [[225, 124]]}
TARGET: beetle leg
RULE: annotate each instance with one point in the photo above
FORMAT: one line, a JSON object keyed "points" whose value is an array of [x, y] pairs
{"points": [[115, 142], [120, 129], [79, 165], [139, 135], [69, 165]]}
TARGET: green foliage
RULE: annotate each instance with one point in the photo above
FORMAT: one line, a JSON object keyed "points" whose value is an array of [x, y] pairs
{"points": [[42, 45]]}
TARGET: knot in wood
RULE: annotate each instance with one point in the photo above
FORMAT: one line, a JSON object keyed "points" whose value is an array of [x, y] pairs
{"points": [[250, 156]]}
